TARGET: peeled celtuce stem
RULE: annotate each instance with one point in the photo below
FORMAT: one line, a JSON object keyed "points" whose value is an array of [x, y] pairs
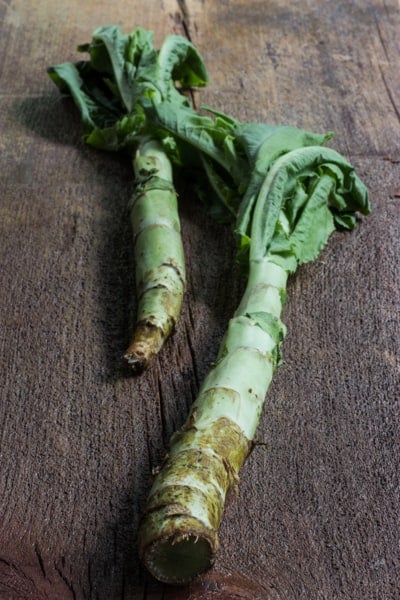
{"points": [[178, 536], [158, 251], [116, 90], [303, 195]]}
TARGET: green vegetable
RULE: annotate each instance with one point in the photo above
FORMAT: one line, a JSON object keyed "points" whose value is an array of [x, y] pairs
{"points": [[284, 194], [282, 191], [114, 91], [160, 266]]}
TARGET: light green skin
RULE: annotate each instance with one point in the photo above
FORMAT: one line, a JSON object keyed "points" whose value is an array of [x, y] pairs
{"points": [[290, 220], [158, 252], [178, 535]]}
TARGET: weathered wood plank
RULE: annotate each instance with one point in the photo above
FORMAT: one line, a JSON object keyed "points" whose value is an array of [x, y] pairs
{"points": [[317, 512]]}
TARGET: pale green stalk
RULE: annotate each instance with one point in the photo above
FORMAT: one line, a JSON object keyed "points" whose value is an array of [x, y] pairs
{"points": [[178, 535], [287, 194], [116, 91], [292, 216], [158, 251]]}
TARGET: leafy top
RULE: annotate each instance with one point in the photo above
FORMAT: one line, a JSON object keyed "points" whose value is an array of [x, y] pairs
{"points": [[124, 76], [283, 190]]}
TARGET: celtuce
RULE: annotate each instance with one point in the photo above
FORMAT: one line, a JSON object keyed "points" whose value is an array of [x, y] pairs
{"points": [[284, 194], [160, 275], [115, 92], [179, 532], [178, 535]]}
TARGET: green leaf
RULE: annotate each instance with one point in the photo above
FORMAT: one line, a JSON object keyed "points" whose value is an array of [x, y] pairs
{"points": [[108, 52], [306, 185], [226, 194], [270, 324], [116, 89], [315, 223], [283, 190], [197, 130], [179, 60], [264, 143], [66, 76], [275, 329]]}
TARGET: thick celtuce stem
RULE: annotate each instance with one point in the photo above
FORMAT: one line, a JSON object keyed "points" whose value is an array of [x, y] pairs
{"points": [[160, 267], [178, 536]]}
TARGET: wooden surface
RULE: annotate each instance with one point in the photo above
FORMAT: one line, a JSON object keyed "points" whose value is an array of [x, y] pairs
{"points": [[317, 516]]}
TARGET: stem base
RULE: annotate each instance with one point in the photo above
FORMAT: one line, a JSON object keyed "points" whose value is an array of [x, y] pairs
{"points": [[185, 550]]}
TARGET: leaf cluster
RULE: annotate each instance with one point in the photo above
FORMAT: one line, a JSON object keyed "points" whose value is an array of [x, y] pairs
{"points": [[280, 187], [284, 191], [124, 77]]}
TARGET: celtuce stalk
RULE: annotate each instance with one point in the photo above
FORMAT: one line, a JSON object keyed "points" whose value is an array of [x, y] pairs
{"points": [[116, 91], [178, 535], [290, 223], [158, 250], [287, 194]]}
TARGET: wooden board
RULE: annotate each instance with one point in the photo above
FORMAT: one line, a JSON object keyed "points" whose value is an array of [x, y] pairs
{"points": [[317, 514]]}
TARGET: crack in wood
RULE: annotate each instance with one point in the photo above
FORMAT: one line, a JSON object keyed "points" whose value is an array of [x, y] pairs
{"points": [[40, 561], [185, 17], [165, 432], [390, 94], [191, 346], [382, 39], [67, 582], [15, 577]]}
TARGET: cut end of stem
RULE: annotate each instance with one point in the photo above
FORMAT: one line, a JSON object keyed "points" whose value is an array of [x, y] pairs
{"points": [[179, 558], [146, 342]]}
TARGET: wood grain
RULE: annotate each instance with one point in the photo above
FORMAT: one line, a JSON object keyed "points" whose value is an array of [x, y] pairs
{"points": [[317, 515]]}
